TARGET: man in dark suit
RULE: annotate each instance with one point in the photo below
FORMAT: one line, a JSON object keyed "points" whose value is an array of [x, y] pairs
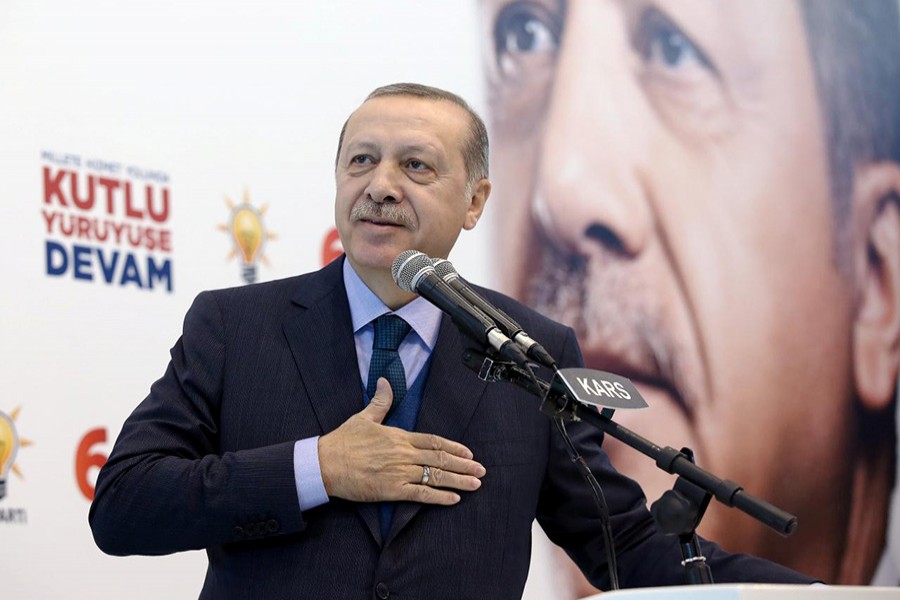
{"points": [[261, 444]]}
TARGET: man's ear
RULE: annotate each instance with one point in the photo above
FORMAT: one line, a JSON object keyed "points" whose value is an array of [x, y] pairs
{"points": [[876, 256], [479, 195]]}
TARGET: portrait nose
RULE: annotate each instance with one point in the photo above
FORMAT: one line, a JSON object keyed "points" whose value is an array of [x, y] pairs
{"points": [[590, 195], [384, 185]]}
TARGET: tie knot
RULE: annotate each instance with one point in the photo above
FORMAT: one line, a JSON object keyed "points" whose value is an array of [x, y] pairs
{"points": [[389, 332]]}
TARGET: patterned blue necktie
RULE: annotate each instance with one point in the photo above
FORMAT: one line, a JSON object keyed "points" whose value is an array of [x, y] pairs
{"points": [[389, 332]]}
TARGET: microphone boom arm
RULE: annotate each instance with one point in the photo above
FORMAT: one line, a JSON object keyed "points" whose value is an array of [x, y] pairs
{"points": [[558, 403]]}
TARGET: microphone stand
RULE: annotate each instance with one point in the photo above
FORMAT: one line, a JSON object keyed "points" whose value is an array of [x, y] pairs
{"points": [[679, 510]]}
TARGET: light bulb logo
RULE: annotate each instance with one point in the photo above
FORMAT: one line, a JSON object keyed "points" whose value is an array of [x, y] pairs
{"points": [[9, 447], [247, 229], [248, 235]]}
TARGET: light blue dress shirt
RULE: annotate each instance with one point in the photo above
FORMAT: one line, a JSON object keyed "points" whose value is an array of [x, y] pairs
{"points": [[365, 307]]}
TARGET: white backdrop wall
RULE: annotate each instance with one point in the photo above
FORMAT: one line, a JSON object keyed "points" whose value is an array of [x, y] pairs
{"points": [[215, 104], [130, 133]]}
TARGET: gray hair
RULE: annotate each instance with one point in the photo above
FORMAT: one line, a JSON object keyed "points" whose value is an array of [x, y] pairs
{"points": [[476, 149]]}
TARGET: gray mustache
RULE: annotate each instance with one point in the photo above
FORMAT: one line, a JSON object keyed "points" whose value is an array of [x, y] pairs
{"points": [[370, 210]]}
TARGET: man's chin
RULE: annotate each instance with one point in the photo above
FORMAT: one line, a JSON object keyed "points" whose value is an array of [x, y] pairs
{"points": [[376, 248], [370, 259]]}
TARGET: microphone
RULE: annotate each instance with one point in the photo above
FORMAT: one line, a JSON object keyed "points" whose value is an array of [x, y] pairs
{"points": [[413, 272], [446, 271]]}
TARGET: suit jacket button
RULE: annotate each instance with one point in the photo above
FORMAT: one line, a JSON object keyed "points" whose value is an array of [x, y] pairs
{"points": [[382, 591], [271, 525]]}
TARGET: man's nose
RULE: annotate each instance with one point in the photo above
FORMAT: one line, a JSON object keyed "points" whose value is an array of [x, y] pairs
{"points": [[384, 185], [590, 192]]}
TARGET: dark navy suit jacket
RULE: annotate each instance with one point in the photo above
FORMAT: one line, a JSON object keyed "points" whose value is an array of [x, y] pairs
{"points": [[206, 461]]}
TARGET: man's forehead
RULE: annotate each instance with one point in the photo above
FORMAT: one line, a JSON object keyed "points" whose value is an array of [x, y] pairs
{"points": [[406, 121], [411, 110]]}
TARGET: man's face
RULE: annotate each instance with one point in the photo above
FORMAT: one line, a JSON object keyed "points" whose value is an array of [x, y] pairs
{"points": [[663, 183], [401, 181]]}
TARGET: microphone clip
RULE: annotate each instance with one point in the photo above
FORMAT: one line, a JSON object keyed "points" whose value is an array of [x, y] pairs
{"points": [[556, 399]]}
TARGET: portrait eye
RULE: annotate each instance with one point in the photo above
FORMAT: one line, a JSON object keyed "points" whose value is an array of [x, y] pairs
{"points": [[678, 76], [360, 159], [522, 29], [663, 45], [416, 164]]}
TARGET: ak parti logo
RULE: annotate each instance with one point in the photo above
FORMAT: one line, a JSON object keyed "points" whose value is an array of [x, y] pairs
{"points": [[248, 235], [10, 444]]}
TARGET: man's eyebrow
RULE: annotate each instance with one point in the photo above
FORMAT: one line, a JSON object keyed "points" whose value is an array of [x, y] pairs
{"points": [[417, 147], [404, 148], [362, 145]]}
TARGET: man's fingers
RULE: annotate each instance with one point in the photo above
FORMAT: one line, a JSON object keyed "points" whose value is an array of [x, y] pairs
{"points": [[429, 441], [446, 455], [428, 495], [439, 478], [364, 461], [439, 459], [380, 403]]}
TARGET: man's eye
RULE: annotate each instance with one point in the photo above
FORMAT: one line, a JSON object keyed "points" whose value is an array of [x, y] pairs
{"points": [[416, 165], [525, 27], [664, 46], [361, 159]]}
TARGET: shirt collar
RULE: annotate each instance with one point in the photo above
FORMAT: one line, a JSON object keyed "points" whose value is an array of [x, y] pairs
{"points": [[365, 306]]}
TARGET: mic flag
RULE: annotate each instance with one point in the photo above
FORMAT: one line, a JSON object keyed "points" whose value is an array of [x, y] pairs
{"points": [[598, 388]]}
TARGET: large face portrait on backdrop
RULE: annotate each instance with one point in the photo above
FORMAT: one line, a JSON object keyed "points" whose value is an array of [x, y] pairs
{"points": [[707, 192]]}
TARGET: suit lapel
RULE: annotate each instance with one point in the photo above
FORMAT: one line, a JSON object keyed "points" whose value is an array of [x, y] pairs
{"points": [[452, 393], [321, 342]]}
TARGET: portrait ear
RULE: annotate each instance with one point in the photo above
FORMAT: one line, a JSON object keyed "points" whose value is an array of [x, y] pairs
{"points": [[479, 195], [876, 253]]}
